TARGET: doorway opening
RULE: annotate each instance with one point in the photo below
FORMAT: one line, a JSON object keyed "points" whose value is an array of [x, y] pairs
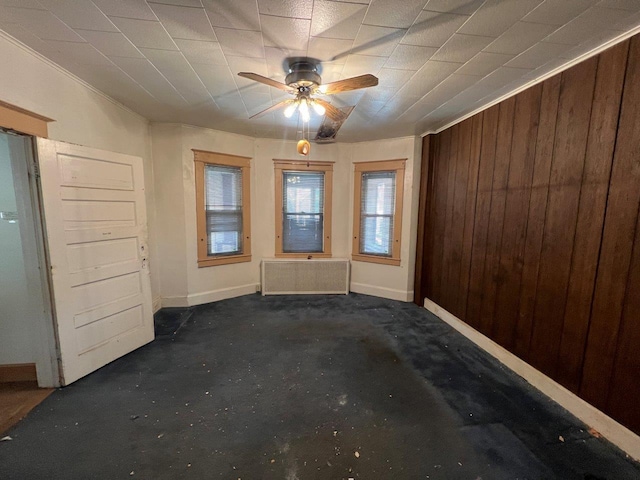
{"points": [[27, 346]]}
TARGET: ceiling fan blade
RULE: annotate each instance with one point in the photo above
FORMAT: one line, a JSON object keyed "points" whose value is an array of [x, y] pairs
{"points": [[353, 83], [272, 108], [267, 81], [332, 112], [329, 128]]}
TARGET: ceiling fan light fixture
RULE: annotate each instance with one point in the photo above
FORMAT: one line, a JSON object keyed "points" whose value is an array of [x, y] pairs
{"points": [[320, 110], [304, 110], [290, 110]]}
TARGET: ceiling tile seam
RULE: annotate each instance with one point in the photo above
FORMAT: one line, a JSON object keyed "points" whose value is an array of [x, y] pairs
{"points": [[134, 81], [75, 29], [58, 18], [311, 36], [442, 104], [284, 16], [565, 66], [150, 2], [456, 10], [535, 44], [206, 14], [415, 73], [67, 73], [185, 59], [313, 6], [157, 70], [235, 77], [98, 51], [448, 102], [341, 76], [406, 32]]}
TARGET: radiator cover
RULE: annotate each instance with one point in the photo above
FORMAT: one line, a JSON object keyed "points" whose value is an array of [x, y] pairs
{"points": [[302, 276]]}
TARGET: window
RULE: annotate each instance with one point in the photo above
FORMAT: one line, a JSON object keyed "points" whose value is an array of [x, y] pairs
{"points": [[303, 208], [377, 204], [222, 208]]}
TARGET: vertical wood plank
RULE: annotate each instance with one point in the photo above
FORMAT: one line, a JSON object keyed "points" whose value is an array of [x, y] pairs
{"points": [[496, 216], [442, 170], [523, 148], [617, 241], [537, 214], [483, 210], [426, 179], [593, 197], [624, 391], [445, 282], [572, 128], [458, 214], [534, 235], [470, 212]]}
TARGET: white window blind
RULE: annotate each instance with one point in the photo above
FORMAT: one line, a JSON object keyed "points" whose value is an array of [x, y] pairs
{"points": [[302, 212], [377, 206], [223, 206]]}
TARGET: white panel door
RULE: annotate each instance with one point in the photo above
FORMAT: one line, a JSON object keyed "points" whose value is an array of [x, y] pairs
{"points": [[95, 221]]}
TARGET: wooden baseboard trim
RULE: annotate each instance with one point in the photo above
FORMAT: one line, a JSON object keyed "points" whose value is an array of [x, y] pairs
{"points": [[19, 372], [616, 433]]}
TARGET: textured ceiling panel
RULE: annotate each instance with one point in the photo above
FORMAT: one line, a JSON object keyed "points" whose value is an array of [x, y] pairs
{"points": [[185, 22], [178, 60]]}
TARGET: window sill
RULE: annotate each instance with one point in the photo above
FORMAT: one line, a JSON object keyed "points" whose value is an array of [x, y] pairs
{"points": [[303, 255], [374, 259], [212, 262]]}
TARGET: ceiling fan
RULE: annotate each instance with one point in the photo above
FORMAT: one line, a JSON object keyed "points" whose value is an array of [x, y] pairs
{"points": [[304, 82]]}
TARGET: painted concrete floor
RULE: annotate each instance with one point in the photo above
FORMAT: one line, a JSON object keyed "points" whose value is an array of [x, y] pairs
{"points": [[305, 387]]}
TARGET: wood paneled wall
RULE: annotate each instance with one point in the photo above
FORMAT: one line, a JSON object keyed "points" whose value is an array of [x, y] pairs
{"points": [[530, 232]]}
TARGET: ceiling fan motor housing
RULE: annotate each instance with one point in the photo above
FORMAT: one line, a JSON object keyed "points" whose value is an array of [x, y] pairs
{"points": [[303, 75]]}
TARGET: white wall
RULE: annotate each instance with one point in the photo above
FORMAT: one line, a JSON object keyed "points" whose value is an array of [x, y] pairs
{"points": [[183, 283], [209, 284], [395, 282], [81, 114]]}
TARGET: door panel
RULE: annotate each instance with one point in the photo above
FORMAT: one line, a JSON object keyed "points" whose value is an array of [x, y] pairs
{"points": [[95, 218]]}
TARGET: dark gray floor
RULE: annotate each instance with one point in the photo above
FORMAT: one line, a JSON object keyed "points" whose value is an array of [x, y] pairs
{"points": [[305, 387]]}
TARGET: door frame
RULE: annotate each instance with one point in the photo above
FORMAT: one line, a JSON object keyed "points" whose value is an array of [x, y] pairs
{"points": [[37, 266]]}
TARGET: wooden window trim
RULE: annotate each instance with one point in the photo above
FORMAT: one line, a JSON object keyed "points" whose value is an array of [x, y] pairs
{"points": [[202, 158], [378, 166], [23, 121], [281, 166]]}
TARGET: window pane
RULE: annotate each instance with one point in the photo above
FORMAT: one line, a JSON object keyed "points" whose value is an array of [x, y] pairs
{"points": [[303, 212], [376, 238], [302, 233], [223, 206], [376, 213]]}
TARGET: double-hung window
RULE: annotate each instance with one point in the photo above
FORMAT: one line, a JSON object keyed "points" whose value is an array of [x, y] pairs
{"points": [[377, 204], [222, 208], [303, 208]]}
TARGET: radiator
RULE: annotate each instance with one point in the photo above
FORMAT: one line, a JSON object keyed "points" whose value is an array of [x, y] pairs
{"points": [[287, 276]]}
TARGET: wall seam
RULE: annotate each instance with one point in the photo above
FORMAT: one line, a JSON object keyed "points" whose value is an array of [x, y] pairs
{"points": [[604, 223], [577, 216]]}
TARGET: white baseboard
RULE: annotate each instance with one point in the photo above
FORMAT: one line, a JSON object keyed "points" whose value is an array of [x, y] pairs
{"points": [[210, 296], [617, 434], [390, 293], [157, 304]]}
